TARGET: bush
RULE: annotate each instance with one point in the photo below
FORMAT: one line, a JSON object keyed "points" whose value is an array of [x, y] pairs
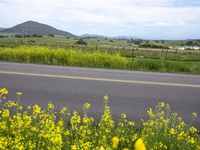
{"points": [[81, 42], [51, 35], [146, 45]]}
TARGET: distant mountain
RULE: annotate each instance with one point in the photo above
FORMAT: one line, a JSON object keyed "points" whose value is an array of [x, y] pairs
{"points": [[103, 36], [124, 37], [93, 36], [2, 29], [32, 27]]}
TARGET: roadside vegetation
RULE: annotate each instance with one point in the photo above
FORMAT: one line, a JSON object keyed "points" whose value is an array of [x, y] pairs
{"points": [[99, 59], [123, 46], [33, 127], [60, 56]]}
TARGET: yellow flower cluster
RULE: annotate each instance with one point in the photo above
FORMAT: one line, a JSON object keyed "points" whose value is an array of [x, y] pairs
{"points": [[166, 130], [36, 128], [3, 91]]}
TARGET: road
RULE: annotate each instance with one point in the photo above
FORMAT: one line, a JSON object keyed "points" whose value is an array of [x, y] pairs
{"points": [[130, 92]]}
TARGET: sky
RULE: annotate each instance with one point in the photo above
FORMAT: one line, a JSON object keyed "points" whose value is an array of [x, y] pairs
{"points": [[149, 19]]}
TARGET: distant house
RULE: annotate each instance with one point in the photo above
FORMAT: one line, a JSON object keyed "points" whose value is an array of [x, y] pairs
{"points": [[188, 47], [196, 48], [180, 47]]}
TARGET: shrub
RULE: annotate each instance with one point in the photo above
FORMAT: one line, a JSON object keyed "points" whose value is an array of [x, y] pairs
{"points": [[147, 45], [81, 42]]}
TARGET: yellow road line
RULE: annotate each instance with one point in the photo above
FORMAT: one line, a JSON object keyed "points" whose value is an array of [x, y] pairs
{"points": [[102, 79]]}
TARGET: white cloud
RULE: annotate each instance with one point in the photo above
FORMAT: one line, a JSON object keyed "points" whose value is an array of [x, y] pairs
{"points": [[102, 11], [111, 13]]}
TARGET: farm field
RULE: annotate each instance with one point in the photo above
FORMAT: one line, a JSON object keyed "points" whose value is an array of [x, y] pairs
{"points": [[140, 60], [123, 46]]}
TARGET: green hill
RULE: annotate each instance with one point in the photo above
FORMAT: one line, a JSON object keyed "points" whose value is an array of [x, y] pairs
{"points": [[32, 27]]}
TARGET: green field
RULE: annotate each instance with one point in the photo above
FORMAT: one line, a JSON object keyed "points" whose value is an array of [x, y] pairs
{"points": [[125, 47], [102, 53], [72, 57]]}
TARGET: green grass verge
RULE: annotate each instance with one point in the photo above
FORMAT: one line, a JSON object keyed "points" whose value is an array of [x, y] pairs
{"points": [[72, 57]]}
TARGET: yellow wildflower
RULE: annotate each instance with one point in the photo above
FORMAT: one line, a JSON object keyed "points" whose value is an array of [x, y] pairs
{"points": [[3, 126], [86, 105], [105, 98], [6, 113], [3, 91], [75, 120], [172, 131], [115, 142], [20, 107], [86, 146], [181, 135], [74, 147], [194, 114], [10, 104], [192, 130], [3, 143], [192, 141], [150, 112], [67, 132], [131, 123], [162, 104], [50, 106], [139, 145], [63, 110], [123, 116], [33, 129], [102, 148], [36, 109], [19, 93]]}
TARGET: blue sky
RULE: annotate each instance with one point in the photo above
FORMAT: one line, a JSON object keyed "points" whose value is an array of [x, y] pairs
{"points": [[152, 19]]}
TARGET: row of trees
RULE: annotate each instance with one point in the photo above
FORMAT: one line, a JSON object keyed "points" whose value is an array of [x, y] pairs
{"points": [[153, 46], [32, 35]]}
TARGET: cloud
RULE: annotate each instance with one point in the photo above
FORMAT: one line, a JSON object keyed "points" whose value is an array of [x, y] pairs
{"points": [[4, 1], [103, 14]]}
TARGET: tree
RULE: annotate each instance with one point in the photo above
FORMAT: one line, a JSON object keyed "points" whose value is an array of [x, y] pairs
{"points": [[153, 46], [51, 35], [189, 43], [81, 42], [18, 35]]}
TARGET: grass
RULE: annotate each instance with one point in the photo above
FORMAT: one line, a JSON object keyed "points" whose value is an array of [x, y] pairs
{"points": [[103, 44], [59, 56], [158, 65], [95, 59], [32, 127]]}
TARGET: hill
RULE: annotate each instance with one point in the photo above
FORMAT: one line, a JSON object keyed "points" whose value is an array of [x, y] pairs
{"points": [[125, 37], [32, 27], [2, 29], [93, 36]]}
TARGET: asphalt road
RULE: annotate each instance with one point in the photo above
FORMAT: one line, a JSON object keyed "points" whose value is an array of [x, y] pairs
{"points": [[131, 92]]}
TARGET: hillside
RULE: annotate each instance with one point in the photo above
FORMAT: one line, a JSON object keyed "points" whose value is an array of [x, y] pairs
{"points": [[2, 29], [93, 36], [32, 27]]}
